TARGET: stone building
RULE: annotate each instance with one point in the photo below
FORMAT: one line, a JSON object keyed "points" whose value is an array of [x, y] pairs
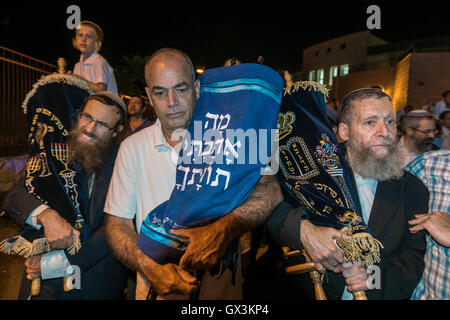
{"points": [[413, 72]]}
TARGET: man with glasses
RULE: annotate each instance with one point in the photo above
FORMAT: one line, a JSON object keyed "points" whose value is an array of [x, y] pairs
{"points": [[92, 152], [418, 129]]}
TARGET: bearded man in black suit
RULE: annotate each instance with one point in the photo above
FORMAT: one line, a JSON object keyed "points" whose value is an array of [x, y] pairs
{"points": [[388, 195], [93, 151]]}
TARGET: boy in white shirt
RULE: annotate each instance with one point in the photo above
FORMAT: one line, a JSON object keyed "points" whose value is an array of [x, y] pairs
{"points": [[92, 67]]}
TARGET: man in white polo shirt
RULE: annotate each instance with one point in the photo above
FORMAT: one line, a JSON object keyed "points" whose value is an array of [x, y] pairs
{"points": [[144, 177]]}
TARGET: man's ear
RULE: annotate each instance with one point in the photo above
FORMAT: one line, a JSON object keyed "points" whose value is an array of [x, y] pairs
{"points": [[344, 131], [197, 89], [149, 95], [98, 45], [117, 130], [409, 131]]}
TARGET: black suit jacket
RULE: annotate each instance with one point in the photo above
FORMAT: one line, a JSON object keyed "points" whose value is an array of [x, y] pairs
{"points": [[402, 262], [102, 276]]}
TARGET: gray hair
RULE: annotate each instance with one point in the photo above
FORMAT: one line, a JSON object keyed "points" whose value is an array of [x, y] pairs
{"points": [[346, 113], [171, 51]]}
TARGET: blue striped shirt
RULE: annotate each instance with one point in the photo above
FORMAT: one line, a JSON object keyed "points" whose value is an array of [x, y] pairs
{"points": [[433, 168]]}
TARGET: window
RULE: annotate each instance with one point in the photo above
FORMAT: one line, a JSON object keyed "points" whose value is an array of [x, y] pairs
{"points": [[343, 46], [333, 73], [344, 69], [312, 75], [328, 50], [316, 53], [320, 76]]}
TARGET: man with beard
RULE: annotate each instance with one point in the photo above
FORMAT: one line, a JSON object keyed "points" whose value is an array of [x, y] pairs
{"points": [[389, 197], [92, 153], [137, 119], [418, 130]]}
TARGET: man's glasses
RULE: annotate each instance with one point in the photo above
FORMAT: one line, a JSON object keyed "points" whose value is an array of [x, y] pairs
{"points": [[85, 119], [434, 131]]}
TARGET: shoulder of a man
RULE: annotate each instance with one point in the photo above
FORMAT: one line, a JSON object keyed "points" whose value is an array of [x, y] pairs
{"points": [[415, 191], [135, 140]]}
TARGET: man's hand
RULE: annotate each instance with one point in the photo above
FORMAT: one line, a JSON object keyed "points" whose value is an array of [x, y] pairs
{"points": [[355, 276], [58, 232], [33, 267], [437, 224], [168, 278], [207, 245], [319, 244]]}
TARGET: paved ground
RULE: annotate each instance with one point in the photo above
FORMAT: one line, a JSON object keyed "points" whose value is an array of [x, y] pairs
{"points": [[11, 267]]}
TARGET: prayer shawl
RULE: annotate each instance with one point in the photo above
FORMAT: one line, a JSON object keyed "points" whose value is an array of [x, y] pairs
{"points": [[50, 109], [312, 170], [223, 155]]}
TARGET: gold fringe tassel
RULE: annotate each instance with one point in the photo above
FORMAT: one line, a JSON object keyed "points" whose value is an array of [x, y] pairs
{"points": [[26, 249], [361, 247], [307, 85]]}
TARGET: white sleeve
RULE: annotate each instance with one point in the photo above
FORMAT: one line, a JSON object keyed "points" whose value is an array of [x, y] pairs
{"points": [[54, 264], [101, 72], [121, 197], [32, 218]]}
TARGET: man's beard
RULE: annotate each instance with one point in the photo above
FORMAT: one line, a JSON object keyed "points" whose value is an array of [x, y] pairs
{"points": [[364, 163], [90, 156], [422, 146]]}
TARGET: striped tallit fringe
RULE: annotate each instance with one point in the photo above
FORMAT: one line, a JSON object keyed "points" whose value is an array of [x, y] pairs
{"points": [[361, 247], [22, 247], [58, 78], [75, 247], [307, 85]]}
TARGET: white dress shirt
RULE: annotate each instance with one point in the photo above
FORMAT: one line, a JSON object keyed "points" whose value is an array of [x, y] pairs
{"points": [[366, 192]]}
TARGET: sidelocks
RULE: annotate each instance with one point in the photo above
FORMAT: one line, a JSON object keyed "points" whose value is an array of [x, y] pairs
{"points": [[313, 174], [50, 109], [218, 166]]}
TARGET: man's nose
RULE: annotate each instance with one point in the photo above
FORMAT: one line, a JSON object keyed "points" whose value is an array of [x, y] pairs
{"points": [[172, 99], [90, 127], [382, 129]]}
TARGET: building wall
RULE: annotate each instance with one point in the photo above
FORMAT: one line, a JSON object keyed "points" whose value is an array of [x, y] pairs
{"points": [[383, 77], [330, 53], [416, 80], [429, 77], [401, 83], [349, 49]]}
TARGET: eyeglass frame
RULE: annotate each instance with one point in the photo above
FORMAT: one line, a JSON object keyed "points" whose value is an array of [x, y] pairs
{"points": [[435, 131], [88, 119]]}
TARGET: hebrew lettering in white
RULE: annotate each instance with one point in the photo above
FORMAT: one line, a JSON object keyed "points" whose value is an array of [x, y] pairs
{"points": [[194, 171], [186, 172], [220, 172]]}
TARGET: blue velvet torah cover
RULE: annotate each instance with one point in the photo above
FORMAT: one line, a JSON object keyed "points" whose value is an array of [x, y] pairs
{"points": [[223, 154]]}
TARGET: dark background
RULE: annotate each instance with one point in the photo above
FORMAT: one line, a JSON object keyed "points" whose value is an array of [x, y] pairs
{"points": [[210, 32]]}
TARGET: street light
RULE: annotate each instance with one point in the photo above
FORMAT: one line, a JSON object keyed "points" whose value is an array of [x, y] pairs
{"points": [[200, 70]]}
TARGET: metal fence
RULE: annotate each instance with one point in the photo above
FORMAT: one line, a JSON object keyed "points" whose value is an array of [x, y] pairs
{"points": [[18, 73]]}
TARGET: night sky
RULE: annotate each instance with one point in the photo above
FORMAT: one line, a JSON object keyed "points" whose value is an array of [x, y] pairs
{"points": [[210, 32]]}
